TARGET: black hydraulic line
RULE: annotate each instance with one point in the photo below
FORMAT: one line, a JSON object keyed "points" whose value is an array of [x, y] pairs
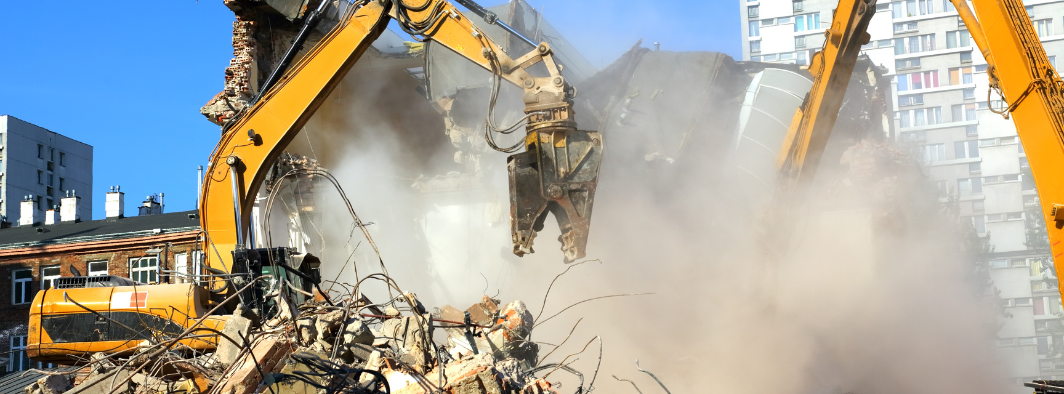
{"points": [[312, 21], [493, 19]]}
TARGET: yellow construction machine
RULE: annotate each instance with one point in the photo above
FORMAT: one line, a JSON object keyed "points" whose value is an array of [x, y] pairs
{"points": [[557, 173]]}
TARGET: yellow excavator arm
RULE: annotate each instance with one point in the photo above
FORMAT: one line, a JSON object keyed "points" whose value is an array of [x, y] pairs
{"points": [[558, 172], [832, 68], [1019, 70]]}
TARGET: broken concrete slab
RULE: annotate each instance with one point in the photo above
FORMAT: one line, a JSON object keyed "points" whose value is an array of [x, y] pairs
{"points": [[237, 329]]}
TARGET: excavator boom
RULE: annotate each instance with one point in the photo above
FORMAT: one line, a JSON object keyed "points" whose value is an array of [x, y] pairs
{"points": [[558, 172], [1019, 70]]}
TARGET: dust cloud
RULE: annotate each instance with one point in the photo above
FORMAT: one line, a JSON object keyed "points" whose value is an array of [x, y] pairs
{"points": [[873, 296]]}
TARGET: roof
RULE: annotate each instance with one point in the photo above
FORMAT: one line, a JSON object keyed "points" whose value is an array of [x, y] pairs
{"points": [[14, 382], [97, 230]]}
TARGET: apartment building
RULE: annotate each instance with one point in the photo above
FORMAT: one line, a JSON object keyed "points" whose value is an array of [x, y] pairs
{"points": [[44, 165], [942, 106]]}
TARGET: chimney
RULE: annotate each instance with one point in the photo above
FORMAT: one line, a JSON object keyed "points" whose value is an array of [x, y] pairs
{"points": [[28, 214], [152, 205], [51, 216], [116, 203], [68, 208]]}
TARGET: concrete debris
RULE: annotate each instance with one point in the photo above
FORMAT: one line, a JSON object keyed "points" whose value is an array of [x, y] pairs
{"points": [[335, 346]]}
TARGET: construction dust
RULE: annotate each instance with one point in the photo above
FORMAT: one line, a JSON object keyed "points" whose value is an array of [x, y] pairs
{"points": [[878, 291]]}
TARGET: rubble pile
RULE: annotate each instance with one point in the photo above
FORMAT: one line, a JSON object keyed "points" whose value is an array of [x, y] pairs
{"points": [[329, 346]]}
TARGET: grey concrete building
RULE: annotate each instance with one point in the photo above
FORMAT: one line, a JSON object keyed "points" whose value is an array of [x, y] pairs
{"points": [[43, 165], [942, 108]]}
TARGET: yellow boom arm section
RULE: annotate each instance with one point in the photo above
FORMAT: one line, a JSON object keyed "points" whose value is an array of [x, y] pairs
{"points": [[1019, 70], [563, 175], [831, 68]]}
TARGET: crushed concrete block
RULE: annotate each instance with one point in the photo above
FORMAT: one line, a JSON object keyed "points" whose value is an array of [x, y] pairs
{"points": [[308, 332], [265, 354], [236, 328], [356, 332], [150, 384], [54, 384], [373, 363], [411, 334], [101, 384], [327, 324]]}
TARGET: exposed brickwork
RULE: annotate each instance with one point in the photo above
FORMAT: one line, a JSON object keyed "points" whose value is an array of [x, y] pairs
{"points": [[13, 318], [238, 89]]}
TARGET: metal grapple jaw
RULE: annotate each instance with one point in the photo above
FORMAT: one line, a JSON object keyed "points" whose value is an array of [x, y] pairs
{"points": [[557, 173]]}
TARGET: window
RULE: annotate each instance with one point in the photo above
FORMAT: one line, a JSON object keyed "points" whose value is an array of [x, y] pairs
{"points": [[783, 20], [965, 150], [807, 22], [1043, 346], [943, 188], [907, 63], [970, 186], [20, 361], [1044, 27], [977, 206], [1026, 183], [925, 7], [969, 94], [40, 177], [966, 57], [770, 58], [40, 151], [755, 58], [48, 276], [803, 58], [62, 159], [787, 56], [799, 42], [982, 68], [1023, 301], [913, 99], [1011, 178], [992, 179], [920, 117], [1052, 61], [1006, 342], [1014, 216], [1001, 263], [755, 46], [979, 222], [797, 6], [905, 27], [962, 75], [20, 286], [971, 131], [755, 28], [51, 179], [915, 81], [144, 269], [181, 268], [947, 6], [751, 12], [988, 142], [768, 22], [958, 39], [934, 152], [98, 268], [914, 135], [62, 184], [963, 112], [898, 10]]}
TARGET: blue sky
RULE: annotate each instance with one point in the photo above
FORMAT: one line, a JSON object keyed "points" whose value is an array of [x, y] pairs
{"points": [[129, 78]]}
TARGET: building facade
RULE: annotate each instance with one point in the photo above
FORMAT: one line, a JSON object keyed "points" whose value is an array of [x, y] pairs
{"points": [[147, 249], [942, 107], [44, 165]]}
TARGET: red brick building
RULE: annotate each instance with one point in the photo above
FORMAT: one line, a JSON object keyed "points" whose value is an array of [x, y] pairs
{"points": [[142, 248]]}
